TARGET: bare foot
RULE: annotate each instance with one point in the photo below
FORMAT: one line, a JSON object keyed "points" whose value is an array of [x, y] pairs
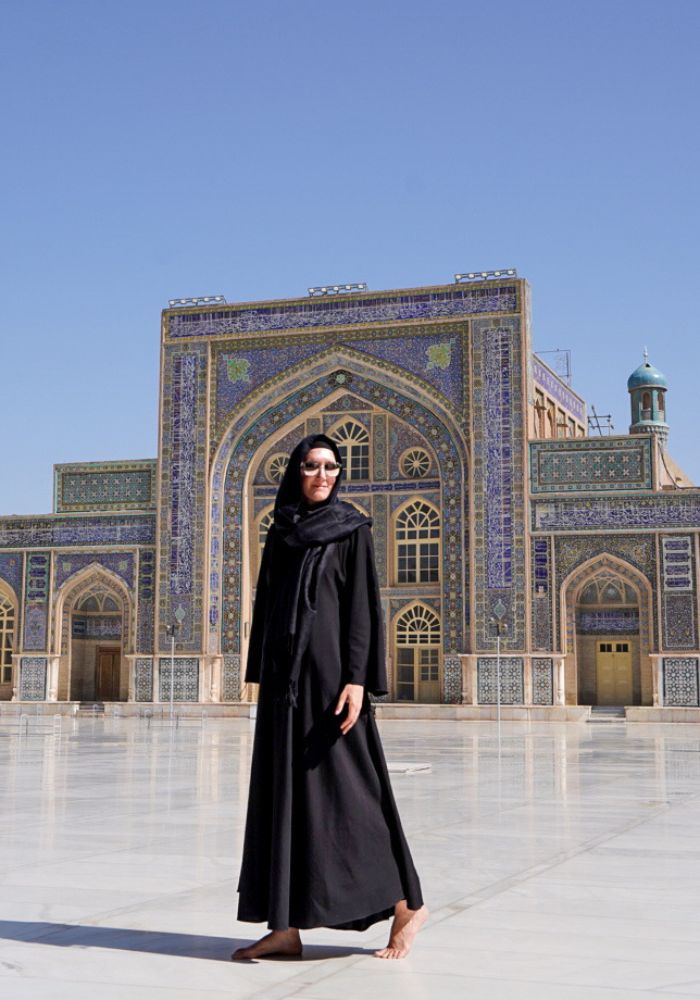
{"points": [[275, 943], [406, 925]]}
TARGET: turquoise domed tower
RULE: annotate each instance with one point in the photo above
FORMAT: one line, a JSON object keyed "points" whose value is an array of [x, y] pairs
{"points": [[647, 388]]}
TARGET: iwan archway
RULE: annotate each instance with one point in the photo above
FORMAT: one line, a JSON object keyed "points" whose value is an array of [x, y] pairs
{"points": [[94, 624], [240, 507], [607, 605]]}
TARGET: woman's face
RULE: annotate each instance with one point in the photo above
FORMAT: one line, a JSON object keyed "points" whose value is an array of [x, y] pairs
{"points": [[316, 489]]}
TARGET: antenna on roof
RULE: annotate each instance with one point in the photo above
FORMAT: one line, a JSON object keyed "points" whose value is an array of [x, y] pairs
{"points": [[599, 423]]}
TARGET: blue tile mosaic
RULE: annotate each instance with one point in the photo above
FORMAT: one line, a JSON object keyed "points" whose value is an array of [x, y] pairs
{"points": [[112, 486], [596, 513], [146, 600], [58, 531], [32, 678], [542, 681], [608, 621], [327, 312], [68, 564], [591, 466], [186, 679], [11, 570], [243, 440], [143, 679], [510, 669], [36, 601], [681, 681]]}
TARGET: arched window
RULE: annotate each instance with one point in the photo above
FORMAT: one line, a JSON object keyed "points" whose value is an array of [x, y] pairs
{"points": [[353, 443], [646, 406], [418, 655], [99, 602], [264, 522], [7, 635], [417, 544]]}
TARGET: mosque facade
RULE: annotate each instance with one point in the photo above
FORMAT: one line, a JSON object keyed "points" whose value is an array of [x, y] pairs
{"points": [[521, 560]]}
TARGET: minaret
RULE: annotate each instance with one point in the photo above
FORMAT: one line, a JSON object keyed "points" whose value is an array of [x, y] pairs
{"points": [[647, 388]]}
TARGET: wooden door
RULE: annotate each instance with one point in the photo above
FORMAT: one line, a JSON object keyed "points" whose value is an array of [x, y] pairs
{"points": [[107, 680], [418, 673], [614, 673]]}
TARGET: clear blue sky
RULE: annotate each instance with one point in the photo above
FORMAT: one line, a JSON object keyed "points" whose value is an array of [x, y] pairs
{"points": [[156, 149]]}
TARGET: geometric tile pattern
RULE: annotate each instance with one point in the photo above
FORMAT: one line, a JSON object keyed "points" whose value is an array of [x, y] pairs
{"points": [[553, 386], [541, 596], [452, 672], [66, 564], [586, 466], [678, 600], [511, 671], [243, 439], [11, 570], [32, 678], [680, 680], [679, 621], [231, 680], [542, 681], [105, 486], [608, 621], [146, 599], [36, 600], [93, 529], [329, 312], [186, 679], [499, 497], [143, 679], [393, 348], [612, 513], [677, 562], [97, 626], [183, 477]]}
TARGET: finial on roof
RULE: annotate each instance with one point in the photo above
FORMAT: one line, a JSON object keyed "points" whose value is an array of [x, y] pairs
{"points": [[646, 354]]}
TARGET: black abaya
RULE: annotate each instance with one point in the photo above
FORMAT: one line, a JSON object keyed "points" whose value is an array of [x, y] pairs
{"points": [[323, 841]]}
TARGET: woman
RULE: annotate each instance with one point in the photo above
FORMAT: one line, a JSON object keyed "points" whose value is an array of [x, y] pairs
{"points": [[323, 842]]}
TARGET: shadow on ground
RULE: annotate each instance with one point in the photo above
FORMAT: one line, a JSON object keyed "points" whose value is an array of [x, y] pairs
{"points": [[217, 949]]}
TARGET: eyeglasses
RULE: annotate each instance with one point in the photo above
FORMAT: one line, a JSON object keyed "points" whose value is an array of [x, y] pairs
{"points": [[332, 469]]}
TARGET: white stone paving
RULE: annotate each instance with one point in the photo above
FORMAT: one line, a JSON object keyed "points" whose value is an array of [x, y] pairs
{"points": [[561, 862]]}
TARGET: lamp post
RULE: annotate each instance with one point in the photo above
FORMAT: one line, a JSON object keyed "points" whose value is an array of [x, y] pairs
{"points": [[501, 627], [171, 629]]}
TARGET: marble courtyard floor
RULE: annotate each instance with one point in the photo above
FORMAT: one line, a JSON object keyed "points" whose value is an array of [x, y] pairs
{"points": [[561, 862]]}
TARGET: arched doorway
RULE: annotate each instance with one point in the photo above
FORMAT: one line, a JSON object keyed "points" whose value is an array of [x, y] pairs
{"points": [[94, 613], [607, 608], [417, 654], [8, 622]]}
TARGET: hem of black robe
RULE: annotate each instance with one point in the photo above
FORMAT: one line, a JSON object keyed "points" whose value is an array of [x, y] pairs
{"points": [[353, 924]]}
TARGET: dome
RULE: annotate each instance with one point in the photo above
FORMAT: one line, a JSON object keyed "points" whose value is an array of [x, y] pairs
{"points": [[646, 375]]}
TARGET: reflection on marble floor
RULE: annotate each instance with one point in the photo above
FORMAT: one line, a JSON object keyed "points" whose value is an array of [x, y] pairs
{"points": [[561, 862]]}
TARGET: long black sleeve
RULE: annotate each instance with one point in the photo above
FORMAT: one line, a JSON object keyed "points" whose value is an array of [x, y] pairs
{"points": [[363, 632], [257, 629]]}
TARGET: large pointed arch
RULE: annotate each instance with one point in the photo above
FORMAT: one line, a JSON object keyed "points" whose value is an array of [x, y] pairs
{"points": [[573, 586], [75, 588], [269, 413], [9, 608]]}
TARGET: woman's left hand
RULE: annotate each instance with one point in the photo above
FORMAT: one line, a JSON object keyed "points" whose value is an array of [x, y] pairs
{"points": [[352, 697]]}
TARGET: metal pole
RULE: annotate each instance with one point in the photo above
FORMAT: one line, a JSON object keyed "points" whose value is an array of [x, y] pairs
{"points": [[172, 674], [498, 678]]}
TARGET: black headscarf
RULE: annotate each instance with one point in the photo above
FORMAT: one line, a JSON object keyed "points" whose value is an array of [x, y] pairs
{"points": [[301, 525], [312, 532]]}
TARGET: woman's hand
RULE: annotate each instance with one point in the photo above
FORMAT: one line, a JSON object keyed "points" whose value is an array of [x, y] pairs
{"points": [[351, 697]]}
